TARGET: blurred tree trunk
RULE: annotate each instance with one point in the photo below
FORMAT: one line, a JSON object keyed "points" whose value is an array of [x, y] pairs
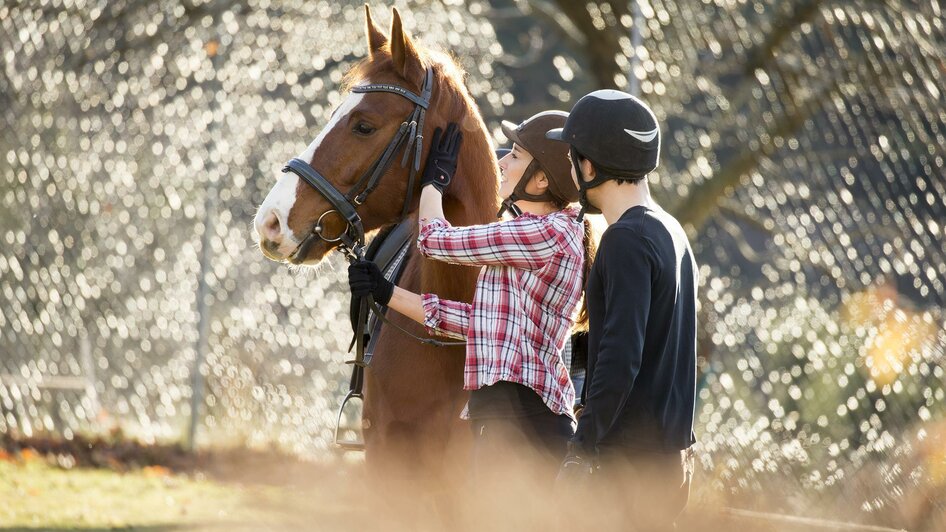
{"points": [[601, 32], [595, 30]]}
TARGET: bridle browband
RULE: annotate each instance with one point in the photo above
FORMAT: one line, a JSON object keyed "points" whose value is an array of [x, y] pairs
{"points": [[410, 135]]}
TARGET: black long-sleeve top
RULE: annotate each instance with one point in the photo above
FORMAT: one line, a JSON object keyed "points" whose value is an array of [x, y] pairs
{"points": [[641, 379]]}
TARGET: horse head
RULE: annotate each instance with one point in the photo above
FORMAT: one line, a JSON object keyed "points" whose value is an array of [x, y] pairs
{"points": [[371, 144]]}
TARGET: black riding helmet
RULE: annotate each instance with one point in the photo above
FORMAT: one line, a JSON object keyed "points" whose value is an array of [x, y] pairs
{"points": [[617, 132], [547, 155]]}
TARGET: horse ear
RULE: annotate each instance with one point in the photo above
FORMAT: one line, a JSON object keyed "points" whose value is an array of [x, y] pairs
{"points": [[376, 39], [406, 58]]}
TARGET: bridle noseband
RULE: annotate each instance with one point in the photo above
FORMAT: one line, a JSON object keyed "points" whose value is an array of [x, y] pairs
{"points": [[409, 135]]}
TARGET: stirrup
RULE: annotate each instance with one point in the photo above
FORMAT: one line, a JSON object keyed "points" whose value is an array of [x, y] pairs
{"points": [[348, 445]]}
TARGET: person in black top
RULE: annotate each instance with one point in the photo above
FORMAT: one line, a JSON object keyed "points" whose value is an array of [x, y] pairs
{"points": [[636, 428]]}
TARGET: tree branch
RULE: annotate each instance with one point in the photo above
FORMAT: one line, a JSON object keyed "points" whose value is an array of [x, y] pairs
{"points": [[601, 46], [573, 35], [530, 56], [802, 12], [703, 199]]}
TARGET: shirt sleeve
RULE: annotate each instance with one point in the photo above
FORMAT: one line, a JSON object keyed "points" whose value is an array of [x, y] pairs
{"points": [[527, 242], [626, 264], [445, 317]]}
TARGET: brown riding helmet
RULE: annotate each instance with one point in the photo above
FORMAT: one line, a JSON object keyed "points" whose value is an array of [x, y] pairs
{"points": [[548, 155]]}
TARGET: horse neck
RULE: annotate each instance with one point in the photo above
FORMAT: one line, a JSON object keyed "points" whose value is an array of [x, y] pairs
{"points": [[471, 200]]}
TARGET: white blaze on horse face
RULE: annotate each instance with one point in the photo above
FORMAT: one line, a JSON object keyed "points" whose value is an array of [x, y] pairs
{"points": [[282, 198], [279, 201], [342, 112]]}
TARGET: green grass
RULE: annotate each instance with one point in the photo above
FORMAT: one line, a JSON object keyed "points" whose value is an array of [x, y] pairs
{"points": [[37, 496]]}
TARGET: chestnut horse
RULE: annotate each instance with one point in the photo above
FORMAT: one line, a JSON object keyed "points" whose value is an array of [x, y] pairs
{"points": [[414, 392]]}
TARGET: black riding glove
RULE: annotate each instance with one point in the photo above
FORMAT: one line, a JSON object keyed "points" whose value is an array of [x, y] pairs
{"points": [[364, 278], [442, 160], [576, 468]]}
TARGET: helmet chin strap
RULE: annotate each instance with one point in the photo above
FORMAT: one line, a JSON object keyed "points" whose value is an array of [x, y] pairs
{"points": [[509, 204], [583, 186], [519, 193], [586, 206]]}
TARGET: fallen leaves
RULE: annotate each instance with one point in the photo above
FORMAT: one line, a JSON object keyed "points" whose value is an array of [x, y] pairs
{"points": [[156, 471], [30, 455]]}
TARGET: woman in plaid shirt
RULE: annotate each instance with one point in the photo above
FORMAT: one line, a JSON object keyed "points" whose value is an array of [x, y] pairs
{"points": [[525, 300]]}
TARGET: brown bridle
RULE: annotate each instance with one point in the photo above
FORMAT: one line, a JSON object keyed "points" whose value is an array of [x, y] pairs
{"points": [[409, 135]]}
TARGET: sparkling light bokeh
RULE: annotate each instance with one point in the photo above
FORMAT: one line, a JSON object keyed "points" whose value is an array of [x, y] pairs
{"points": [[811, 181]]}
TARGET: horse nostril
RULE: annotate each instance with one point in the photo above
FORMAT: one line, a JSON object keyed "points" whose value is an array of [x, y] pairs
{"points": [[271, 246], [270, 229]]}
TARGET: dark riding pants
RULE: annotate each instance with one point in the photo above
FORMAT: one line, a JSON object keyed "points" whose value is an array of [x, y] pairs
{"points": [[643, 490], [518, 445], [513, 429]]}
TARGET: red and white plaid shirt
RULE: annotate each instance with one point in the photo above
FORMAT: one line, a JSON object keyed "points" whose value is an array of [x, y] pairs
{"points": [[526, 295]]}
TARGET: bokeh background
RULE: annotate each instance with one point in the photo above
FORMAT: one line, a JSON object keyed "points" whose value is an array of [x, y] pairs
{"points": [[804, 152]]}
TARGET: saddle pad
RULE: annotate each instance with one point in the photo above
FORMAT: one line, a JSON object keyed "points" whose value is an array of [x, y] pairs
{"points": [[391, 273]]}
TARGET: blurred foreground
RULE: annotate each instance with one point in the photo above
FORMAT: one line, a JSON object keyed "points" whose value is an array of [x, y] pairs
{"points": [[91, 485], [36, 494]]}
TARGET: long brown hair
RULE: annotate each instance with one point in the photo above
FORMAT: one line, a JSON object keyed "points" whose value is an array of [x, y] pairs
{"points": [[590, 245], [591, 248]]}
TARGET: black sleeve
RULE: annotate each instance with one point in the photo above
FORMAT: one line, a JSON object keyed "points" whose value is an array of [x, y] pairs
{"points": [[625, 262]]}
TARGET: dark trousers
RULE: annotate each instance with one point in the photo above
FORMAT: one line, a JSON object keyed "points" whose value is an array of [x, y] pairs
{"points": [[518, 445], [534, 444], [515, 460], [642, 490]]}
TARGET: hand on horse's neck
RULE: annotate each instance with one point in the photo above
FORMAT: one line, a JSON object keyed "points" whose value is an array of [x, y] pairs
{"points": [[472, 197], [470, 200]]}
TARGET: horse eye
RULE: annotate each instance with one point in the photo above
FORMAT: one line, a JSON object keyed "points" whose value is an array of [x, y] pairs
{"points": [[363, 129]]}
